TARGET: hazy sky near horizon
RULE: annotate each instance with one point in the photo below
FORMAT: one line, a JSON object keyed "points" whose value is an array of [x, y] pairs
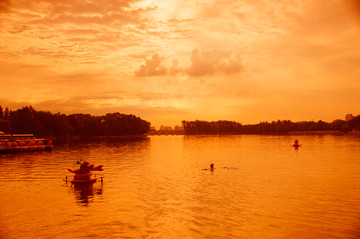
{"points": [[168, 61]]}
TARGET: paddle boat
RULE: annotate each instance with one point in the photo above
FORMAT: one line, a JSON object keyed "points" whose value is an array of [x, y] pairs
{"points": [[13, 143], [84, 173]]}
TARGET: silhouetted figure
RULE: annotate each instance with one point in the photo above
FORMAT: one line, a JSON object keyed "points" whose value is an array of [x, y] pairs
{"points": [[84, 172], [211, 167]]}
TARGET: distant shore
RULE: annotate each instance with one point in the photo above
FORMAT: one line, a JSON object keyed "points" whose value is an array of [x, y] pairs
{"points": [[124, 126], [331, 132]]}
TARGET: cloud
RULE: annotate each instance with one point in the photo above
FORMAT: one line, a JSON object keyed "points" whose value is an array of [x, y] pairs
{"points": [[71, 33], [206, 63], [69, 11], [19, 29], [79, 56], [101, 19], [4, 5], [174, 69], [152, 67], [213, 62]]}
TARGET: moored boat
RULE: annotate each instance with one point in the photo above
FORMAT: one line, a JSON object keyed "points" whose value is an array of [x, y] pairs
{"points": [[10, 143]]}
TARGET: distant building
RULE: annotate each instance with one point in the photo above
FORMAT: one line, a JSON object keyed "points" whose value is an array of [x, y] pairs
{"points": [[349, 117], [167, 130], [162, 127], [179, 128]]}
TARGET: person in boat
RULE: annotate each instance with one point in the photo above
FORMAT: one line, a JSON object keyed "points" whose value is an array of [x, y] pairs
{"points": [[84, 172]]}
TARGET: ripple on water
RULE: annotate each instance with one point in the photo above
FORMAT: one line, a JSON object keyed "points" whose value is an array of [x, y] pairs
{"points": [[261, 188]]}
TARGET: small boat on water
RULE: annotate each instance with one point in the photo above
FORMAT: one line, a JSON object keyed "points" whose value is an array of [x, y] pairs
{"points": [[13, 143], [92, 180], [84, 173], [296, 144], [354, 132]]}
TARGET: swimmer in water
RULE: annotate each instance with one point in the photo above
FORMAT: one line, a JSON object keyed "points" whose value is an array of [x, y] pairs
{"points": [[211, 167]]}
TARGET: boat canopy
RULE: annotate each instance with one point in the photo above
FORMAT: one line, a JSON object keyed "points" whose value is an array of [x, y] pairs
{"points": [[9, 136]]}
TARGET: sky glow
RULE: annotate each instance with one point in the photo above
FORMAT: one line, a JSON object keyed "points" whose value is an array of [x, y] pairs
{"points": [[167, 61]]}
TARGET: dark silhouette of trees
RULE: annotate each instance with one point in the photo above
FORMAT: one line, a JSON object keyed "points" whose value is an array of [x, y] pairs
{"points": [[7, 114], [84, 124], [5, 124], [355, 123], [121, 124], [275, 127], [41, 123]]}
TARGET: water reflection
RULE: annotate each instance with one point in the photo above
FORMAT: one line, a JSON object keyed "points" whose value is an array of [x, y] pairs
{"points": [[91, 142], [85, 193], [156, 188]]}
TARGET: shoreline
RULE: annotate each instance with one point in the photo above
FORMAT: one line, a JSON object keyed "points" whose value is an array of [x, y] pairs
{"points": [[327, 132]]}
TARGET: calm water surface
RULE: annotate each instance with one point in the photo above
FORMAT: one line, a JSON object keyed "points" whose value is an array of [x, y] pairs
{"points": [[156, 188]]}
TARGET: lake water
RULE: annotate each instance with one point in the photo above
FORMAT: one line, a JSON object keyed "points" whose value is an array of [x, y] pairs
{"points": [[155, 188]]}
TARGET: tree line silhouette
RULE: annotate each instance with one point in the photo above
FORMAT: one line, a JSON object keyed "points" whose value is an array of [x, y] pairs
{"points": [[199, 127], [41, 123]]}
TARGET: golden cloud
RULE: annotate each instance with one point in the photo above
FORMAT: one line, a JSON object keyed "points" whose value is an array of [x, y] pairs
{"points": [[205, 63]]}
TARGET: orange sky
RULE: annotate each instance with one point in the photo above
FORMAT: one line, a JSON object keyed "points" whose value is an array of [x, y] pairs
{"points": [[167, 61]]}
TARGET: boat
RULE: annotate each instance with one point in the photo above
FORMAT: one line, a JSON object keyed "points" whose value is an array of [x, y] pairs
{"points": [[354, 132], [83, 182], [92, 180], [13, 143], [296, 144], [83, 175]]}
